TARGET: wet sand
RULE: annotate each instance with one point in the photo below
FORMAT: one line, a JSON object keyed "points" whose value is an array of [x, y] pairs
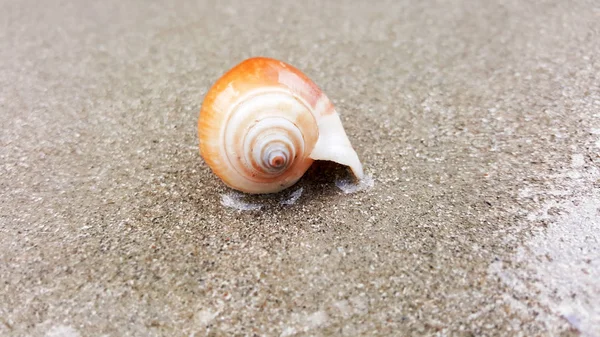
{"points": [[478, 122]]}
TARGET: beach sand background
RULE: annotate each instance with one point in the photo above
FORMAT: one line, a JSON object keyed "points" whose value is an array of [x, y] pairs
{"points": [[479, 123]]}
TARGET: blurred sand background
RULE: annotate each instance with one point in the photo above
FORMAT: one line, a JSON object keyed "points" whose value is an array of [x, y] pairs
{"points": [[478, 121]]}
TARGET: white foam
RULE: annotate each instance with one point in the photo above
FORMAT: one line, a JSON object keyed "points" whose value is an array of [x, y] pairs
{"points": [[316, 320], [288, 331], [577, 160], [559, 265], [349, 186], [62, 331], [293, 197], [234, 200], [344, 307], [204, 317], [566, 260]]}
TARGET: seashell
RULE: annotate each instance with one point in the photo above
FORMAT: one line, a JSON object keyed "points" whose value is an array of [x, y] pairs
{"points": [[263, 123]]}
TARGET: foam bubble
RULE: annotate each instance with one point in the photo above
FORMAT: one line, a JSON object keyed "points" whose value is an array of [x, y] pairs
{"points": [[234, 200], [349, 186], [293, 197]]}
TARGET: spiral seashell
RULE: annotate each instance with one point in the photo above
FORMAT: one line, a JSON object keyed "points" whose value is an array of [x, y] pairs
{"points": [[263, 123]]}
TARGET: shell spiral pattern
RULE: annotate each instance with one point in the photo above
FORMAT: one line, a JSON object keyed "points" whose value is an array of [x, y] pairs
{"points": [[259, 124], [265, 136]]}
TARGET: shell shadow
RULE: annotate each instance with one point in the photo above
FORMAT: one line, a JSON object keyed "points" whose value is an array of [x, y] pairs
{"points": [[317, 185]]}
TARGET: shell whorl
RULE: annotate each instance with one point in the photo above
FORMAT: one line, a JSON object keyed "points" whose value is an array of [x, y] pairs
{"points": [[268, 133]]}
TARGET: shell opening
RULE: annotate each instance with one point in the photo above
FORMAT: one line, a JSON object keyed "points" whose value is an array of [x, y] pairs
{"points": [[333, 145]]}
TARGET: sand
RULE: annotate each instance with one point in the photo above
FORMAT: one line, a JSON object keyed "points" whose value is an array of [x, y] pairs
{"points": [[477, 122]]}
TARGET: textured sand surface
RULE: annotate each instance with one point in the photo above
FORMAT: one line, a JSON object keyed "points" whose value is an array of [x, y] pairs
{"points": [[479, 122]]}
